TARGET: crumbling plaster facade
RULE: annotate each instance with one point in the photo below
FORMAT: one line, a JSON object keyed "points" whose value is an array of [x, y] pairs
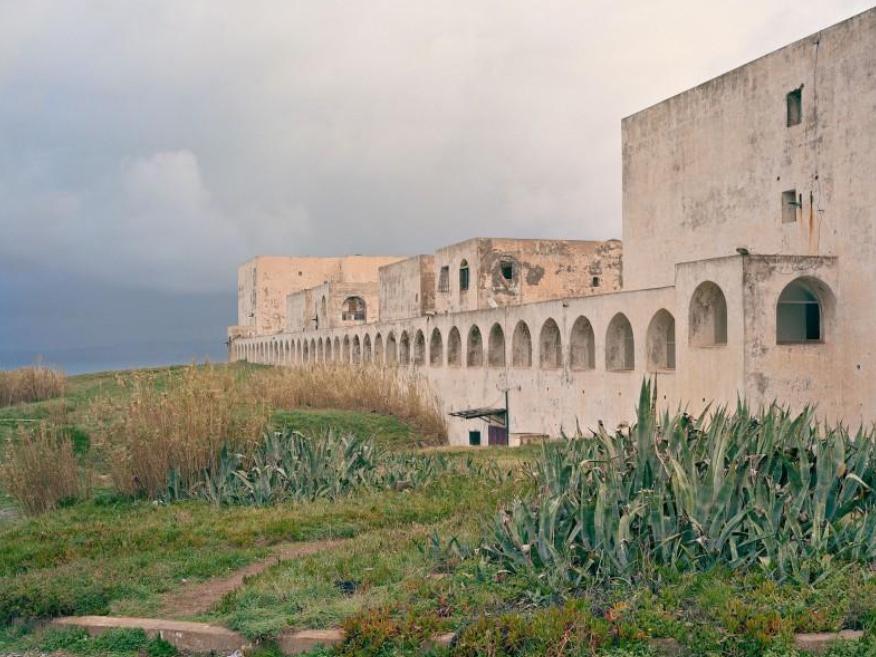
{"points": [[749, 220]]}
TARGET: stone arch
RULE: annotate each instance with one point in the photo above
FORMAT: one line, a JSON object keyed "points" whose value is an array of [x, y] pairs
{"points": [[620, 351], [345, 350], [357, 350], [582, 345], [320, 350], [404, 349], [707, 316], [419, 348], [328, 350], [336, 349], [378, 349], [802, 311], [354, 309], [391, 349], [306, 353], [521, 346], [474, 351], [550, 345], [454, 348], [496, 346], [313, 354], [436, 348], [366, 348], [660, 342]]}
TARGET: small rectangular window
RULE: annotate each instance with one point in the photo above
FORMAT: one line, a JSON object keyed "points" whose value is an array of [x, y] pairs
{"points": [[789, 206], [463, 279], [474, 438], [795, 106], [594, 282], [444, 279]]}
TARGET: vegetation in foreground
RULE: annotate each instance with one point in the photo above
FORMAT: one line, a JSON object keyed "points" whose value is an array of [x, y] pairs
{"points": [[30, 384], [662, 530]]}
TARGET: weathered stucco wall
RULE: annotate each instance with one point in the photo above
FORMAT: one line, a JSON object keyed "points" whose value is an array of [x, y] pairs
{"points": [[407, 288], [511, 271], [265, 281]]}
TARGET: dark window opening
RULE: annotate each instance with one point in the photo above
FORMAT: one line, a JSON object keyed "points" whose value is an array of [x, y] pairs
{"points": [[795, 106], [790, 203], [798, 315], [354, 309], [474, 438], [444, 279], [507, 269], [463, 276], [594, 282]]}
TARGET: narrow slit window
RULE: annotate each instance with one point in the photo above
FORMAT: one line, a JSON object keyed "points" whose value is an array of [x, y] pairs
{"points": [[444, 279], [795, 106], [789, 206]]}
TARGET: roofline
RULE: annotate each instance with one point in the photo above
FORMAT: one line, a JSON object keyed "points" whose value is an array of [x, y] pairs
{"points": [[818, 33]]}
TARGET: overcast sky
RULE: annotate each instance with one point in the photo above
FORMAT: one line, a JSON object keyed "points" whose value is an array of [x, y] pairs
{"points": [[147, 148]]}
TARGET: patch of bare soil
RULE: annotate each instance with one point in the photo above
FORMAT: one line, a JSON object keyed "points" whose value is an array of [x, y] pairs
{"points": [[199, 597]]}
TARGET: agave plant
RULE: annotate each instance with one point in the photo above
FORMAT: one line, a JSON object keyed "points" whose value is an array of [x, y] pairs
{"points": [[773, 491]]}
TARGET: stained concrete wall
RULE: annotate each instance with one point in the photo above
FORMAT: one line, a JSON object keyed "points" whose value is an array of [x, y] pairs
{"points": [[540, 270], [321, 307], [407, 288]]}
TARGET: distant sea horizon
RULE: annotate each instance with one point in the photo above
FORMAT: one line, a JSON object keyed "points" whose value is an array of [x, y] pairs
{"points": [[86, 360]]}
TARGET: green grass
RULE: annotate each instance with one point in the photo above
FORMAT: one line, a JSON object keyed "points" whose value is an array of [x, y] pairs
{"points": [[386, 431]]}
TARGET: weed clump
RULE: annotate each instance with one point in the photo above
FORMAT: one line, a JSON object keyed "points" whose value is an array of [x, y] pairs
{"points": [[30, 384], [168, 435], [41, 470]]}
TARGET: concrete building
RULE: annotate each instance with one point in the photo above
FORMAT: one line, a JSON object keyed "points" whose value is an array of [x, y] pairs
{"points": [[749, 225]]}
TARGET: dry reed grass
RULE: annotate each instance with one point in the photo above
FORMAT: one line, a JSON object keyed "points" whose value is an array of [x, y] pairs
{"points": [[30, 384], [366, 388], [40, 469], [177, 430]]}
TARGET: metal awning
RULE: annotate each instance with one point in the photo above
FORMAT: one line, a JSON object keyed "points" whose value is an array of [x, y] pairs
{"points": [[489, 414]]}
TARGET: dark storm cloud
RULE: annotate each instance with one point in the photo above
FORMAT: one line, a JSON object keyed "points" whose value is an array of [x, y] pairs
{"points": [[155, 145]]}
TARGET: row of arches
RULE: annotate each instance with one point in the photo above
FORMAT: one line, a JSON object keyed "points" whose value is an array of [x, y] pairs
{"points": [[478, 350], [798, 319]]}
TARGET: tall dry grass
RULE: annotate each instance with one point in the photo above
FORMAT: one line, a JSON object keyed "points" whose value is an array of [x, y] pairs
{"points": [[40, 469], [367, 388], [167, 433], [30, 384]]}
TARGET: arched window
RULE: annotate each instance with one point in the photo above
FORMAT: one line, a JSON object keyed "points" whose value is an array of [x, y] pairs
{"points": [[366, 348], [550, 346], [404, 349], [474, 348], [391, 349], [707, 320], [454, 348], [582, 345], [463, 276], [799, 314], [496, 347], [378, 349], [357, 350], [354, 310], [521, 346], [420, 349], [436, 349], [347, 354], [620, 348], [660, 341]]}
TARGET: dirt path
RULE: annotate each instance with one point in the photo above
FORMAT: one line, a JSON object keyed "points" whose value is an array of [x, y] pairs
{"points": [[198, 598]]}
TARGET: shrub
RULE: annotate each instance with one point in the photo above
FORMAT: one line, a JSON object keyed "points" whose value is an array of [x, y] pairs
{"points": [[166, 436], [771, 491], [288, 465], [30, 384], [41, 470], [366, 388]]}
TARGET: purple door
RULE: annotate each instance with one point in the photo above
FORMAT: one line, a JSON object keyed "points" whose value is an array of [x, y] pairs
{"points": [[497, 436]]}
